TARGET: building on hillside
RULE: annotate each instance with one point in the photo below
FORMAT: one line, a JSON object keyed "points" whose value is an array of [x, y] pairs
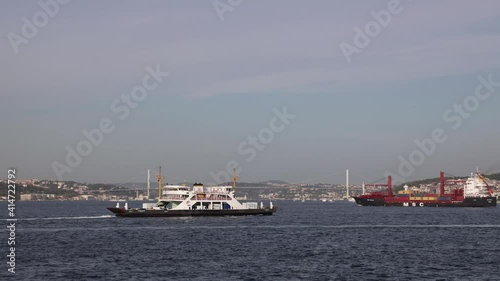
{"points": [[37, 197]]}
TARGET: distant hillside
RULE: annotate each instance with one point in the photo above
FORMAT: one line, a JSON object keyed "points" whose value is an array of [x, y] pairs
{"points": [[274, 182], [494, 176], [34, 189]]}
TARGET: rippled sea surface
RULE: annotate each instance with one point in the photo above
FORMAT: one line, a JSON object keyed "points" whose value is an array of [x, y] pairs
{"points": [[310, 241]]}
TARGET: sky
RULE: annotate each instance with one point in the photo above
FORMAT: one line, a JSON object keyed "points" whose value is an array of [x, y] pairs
{"points": [[287, 90]]}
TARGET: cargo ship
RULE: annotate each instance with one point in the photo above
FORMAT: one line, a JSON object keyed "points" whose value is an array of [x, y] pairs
{"points": [[475, 192], [195, 201]]}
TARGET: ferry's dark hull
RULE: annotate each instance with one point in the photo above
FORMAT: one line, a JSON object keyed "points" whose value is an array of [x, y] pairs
{"points": [[467, 202], [121, 212]]}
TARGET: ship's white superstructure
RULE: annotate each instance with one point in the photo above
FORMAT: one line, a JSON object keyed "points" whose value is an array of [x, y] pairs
{"points": [[476, 186], [199, 197]]}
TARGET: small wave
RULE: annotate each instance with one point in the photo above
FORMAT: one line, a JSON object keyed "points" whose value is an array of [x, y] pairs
{"points": [[67, 218], [413, 226], [324, 226], [331, 226], [215, 227]]}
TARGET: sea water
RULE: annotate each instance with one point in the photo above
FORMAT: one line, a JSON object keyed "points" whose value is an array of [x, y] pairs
{"points": [[309, 241]]}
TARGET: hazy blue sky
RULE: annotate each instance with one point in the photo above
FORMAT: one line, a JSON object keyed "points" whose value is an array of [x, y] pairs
{"points": [[227, 76]]}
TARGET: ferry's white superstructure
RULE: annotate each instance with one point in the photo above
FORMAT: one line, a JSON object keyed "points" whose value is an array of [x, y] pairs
{"points": [[199, 197]]}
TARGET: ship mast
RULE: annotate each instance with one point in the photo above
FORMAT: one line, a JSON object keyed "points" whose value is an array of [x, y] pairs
{"points": [[234, 180], [160, 183], [149, 181], [389, 185], [347, 183], [441, 183]]}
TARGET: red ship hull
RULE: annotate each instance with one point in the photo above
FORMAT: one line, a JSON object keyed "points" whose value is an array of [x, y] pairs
{"points": [[395, 201]]}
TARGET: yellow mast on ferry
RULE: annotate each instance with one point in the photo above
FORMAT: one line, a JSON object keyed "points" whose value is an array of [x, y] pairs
{"points": [[160, 184], [234, 180]]}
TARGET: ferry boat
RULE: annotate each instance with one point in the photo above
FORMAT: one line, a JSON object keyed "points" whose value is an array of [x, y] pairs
{"points": [[198, 200], [475, 193]]}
